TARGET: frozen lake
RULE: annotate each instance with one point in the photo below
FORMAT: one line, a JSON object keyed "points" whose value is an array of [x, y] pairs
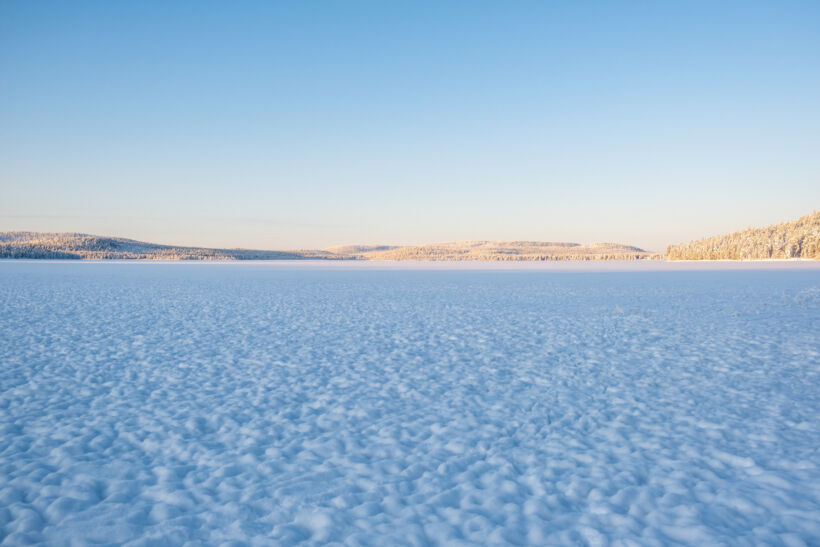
{"points": [[378, 404]]}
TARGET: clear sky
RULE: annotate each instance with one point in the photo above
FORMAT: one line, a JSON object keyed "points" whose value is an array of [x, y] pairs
{"points": [[310, 124]]}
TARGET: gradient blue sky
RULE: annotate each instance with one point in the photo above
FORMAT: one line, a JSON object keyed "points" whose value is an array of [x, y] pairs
{"points": [[309, 124]]}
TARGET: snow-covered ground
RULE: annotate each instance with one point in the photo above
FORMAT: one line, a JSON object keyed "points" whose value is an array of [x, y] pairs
{"points": [[277, 404]]}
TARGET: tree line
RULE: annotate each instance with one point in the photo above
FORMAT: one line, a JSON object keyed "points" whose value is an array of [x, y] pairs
{"points": [[794, 239]]}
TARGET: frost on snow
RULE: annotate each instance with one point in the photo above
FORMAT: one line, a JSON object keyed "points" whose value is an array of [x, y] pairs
{"points": [[166, 403]]}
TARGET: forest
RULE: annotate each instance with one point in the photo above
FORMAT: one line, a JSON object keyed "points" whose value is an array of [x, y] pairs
{"points": [[798, 238]]}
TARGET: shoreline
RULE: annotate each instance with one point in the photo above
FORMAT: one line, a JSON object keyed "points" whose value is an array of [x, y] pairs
{"points": [[461, 265]]}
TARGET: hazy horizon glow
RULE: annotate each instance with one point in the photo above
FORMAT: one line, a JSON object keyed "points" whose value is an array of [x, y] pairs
{"points": [[308, 125]]}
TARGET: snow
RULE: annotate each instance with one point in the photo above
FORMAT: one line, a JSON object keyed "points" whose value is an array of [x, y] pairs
{"points": [[276, 404]]}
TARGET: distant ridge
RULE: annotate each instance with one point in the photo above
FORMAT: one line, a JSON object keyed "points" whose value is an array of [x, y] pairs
{"points": [[794, 239], [359, 249], [68, 245], [508, 250], [85, 246], [798, 238]]}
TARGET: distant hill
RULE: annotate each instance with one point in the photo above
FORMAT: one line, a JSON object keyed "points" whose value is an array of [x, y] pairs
{"points": [[506, 250], [359, 249], [795, 239], [85, 246]]}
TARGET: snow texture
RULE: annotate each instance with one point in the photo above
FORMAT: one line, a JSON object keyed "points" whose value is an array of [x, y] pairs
{"points": [[154, 404]]}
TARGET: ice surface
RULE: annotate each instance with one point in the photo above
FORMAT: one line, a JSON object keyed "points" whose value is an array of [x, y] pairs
{"points": [[165, 403]]}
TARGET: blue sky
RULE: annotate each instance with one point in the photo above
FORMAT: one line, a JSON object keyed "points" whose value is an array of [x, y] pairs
{"points": [[310, 124]]}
